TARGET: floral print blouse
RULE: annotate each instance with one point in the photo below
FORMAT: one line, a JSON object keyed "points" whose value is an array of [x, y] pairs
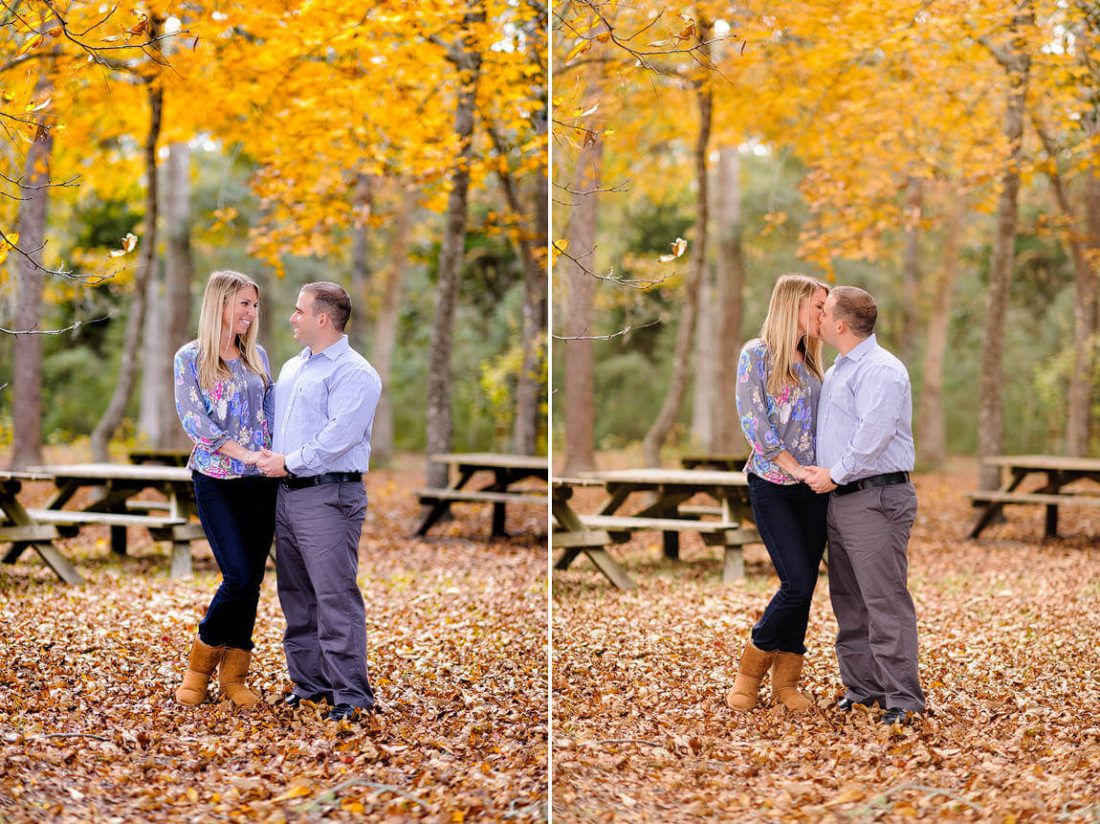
{"points": [[772, 424], [238, 408]]}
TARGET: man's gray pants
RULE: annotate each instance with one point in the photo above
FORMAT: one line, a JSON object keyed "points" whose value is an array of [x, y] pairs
{"points": [[317, 532], [876, 645]]}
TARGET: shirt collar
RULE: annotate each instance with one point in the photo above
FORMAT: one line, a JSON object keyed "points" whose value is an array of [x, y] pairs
{"points": [[332, 352], [860, 350]]}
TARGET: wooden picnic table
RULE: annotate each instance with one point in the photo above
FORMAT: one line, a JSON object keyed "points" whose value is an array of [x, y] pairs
{"points": [[666, 512], [24, 532], [165, 457], [722, 461], [118, 508], [1057, 472], [506, 470]]}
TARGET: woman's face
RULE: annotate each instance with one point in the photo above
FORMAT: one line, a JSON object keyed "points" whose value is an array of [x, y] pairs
{"points": [[810, 312], [240, 312]]}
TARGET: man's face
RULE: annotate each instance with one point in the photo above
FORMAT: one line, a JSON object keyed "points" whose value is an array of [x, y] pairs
{"points": [[829, 323], [303, 321]]}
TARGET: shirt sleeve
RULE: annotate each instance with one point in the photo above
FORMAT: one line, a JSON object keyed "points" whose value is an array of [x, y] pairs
{"points": [[191, 406], [752, 407], [880, 403], [269, 400], [352, 400]]}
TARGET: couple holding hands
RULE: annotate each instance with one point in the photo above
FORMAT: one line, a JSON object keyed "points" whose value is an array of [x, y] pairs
{"points": [[283, 459], [831, 457]]}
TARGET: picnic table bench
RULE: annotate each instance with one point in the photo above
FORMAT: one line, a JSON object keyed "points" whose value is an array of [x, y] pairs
{"points": [[591, 533], [116, 509], [1059, 472], [501, 491], [24, 531]]}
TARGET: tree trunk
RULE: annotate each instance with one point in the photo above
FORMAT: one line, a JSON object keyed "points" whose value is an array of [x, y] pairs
{"points": [[360, 273], [991, 413], [27, 372], [685, 334], [729, 302], [580, 286], [705, 366], [385, 326], [530, 386], [932, 433], [131, 347], [179, 273], [440, 427], [911, 269], [156, 387]]}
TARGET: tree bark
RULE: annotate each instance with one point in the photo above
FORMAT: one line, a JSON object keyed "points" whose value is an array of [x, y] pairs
{"points": [[131, 347], [360, 273], [685, 334], [440, 427], [932, 433], [385, 326], [914, 197], [27, 372], [705, 366], [1017, 64], [1084, 310], [729, 299]]}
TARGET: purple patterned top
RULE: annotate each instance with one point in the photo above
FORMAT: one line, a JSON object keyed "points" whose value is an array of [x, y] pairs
{"points": [[238, 408], [772, 424]]}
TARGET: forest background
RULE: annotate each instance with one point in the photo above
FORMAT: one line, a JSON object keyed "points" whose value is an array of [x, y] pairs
{"points": [[943, 155], [398, 151]]}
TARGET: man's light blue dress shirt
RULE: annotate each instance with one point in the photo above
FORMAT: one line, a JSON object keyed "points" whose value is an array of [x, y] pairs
{"points": [[324, 410], [865, 415]]}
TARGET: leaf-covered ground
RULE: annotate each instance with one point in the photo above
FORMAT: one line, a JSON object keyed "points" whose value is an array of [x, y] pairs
{"points": [[457, 653], [1009, 633]]}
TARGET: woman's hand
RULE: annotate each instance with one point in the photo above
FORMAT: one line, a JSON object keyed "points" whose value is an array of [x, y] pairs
{"points": [[251, 457]]}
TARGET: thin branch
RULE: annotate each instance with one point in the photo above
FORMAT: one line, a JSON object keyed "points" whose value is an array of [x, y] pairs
{"points": [[618, 187], [628, 741], [625, 330], [71, 328], [610, 277], [328, 796], [72, 734]]}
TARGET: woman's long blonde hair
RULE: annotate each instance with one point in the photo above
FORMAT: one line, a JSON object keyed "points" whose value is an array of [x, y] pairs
{"points": [[780, 331], [221, 288]]}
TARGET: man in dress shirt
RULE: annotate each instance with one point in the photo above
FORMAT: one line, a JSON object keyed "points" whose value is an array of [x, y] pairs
{"points": [[865, 451], [325, 401]]}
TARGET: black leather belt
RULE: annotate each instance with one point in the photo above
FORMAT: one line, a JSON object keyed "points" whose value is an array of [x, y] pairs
{"points": [[874, 480], [296, 482]]}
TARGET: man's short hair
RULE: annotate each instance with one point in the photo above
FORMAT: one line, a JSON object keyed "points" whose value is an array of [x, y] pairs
{"points": [[331, 299], [856, 308]]}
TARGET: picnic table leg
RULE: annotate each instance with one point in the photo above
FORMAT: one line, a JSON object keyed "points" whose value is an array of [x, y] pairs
{"points": [[986, 518], [118, 540], [610, 568], [498, 521], [568, 556], [181, 559], [46, 551], [733, 566], [441, 509], [1051, 526]]}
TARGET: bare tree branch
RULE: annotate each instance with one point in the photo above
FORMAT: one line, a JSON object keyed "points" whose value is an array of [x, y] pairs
{"points": [[70, 328], [625, 330]]}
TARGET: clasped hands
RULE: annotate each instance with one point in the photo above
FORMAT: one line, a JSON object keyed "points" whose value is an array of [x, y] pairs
{"points": [[816, 477], [271, 464]]}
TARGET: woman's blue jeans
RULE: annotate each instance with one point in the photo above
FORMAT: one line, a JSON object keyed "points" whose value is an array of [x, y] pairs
{"points": [[238, 517], [791, 522]]}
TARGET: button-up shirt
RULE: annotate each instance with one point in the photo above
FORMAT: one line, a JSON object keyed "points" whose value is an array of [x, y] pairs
{"points": [[324, 410], [865, 418]]}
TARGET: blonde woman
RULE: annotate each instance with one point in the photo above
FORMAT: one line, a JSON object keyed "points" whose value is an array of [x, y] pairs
{"points": [[224, 399], [778, 384]]}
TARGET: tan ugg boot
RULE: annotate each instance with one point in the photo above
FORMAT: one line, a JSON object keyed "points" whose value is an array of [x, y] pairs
{"points": [[750, 672], [204, 660], [785, 675], [231, 673]]}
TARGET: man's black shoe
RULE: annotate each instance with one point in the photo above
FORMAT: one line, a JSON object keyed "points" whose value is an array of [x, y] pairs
{"points": [[347, 712], [846, 703], [295, 700], [899, 716]]}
